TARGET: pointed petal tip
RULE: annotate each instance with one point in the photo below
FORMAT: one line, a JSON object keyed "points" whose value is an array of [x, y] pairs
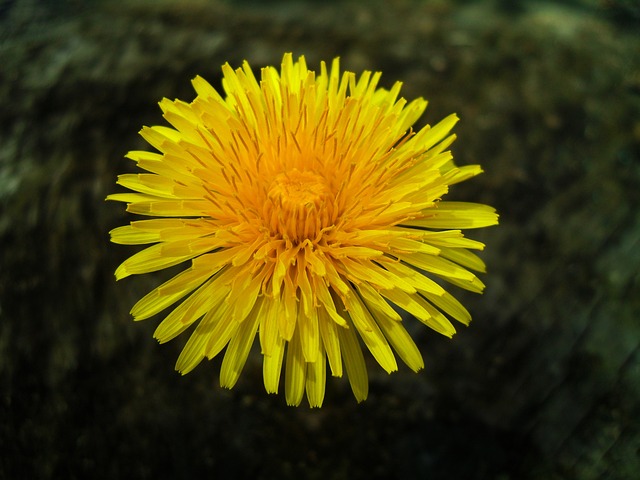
{"points": [[121, 273], [361, 399]]}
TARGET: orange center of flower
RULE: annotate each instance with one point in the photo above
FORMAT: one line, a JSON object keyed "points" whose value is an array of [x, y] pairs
{"points": [[299, 205]]}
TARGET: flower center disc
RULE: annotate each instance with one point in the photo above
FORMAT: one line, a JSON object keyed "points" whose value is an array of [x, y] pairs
{"points": [[297, 189], [300, 201]]}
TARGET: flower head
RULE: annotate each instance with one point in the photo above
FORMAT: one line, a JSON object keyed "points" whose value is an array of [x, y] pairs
{"points": [[311, 214]]}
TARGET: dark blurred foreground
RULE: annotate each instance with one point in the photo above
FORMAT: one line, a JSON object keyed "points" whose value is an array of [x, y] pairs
{"points": [[545, 384]]}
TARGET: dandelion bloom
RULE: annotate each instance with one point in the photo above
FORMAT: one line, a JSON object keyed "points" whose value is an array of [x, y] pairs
{"points": [[311, 214]]}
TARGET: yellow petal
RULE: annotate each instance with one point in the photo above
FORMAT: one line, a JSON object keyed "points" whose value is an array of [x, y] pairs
{"points": [[407, 245], [169, 292], [416, 279], [354, 363], [148, 183], [448, 238], [225, 328], [208, 297], [437, 265], [330, 341], [473, 285], [316, 381], [409, 303], [238, 349], [269, 325], [272, 366], [324, 297], [309, 334], [194, 350], [128, 235], [437, 321], [371, 334], [149, 260], [244, 293], [402, 343], [376, 302], [450, 305], [165, 208], [295, 373], [160, 137], [456, 215], [460, 174], [359, 271], [465, 258], [289, 316]]}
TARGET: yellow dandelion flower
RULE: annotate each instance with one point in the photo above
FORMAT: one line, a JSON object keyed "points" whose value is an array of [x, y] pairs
{"points": [[308, 209]]}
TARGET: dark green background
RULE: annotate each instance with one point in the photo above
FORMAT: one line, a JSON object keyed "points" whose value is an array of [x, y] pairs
{"points": [[545, 384]]}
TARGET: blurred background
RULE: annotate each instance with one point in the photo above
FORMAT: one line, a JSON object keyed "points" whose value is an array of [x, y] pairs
{"points": [[545, 383]]}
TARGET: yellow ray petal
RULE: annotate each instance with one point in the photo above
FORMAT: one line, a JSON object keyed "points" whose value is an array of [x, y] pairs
{"points": [[207, 298], [456, 215], [272, 366], [330, 341], [288, 317], [474, 285], [357, 272], [446, 238], [150, 184], [324, 297], [465, 258], [408, 245], [167, 165], [428, 137], [402, 343], [162, 229], [460, 174], [165, 208], [354, 363], [450, 305], [162, 138], [295, 373], [376, 302], [437, 321], [408, 303], [244, 293], [128, 235], [238, 349], [269, 325], [169, 292], [316, 381], [150, 259], [194, 350], [437, 265], [371, 334], [416, 279], [309, 333]]}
